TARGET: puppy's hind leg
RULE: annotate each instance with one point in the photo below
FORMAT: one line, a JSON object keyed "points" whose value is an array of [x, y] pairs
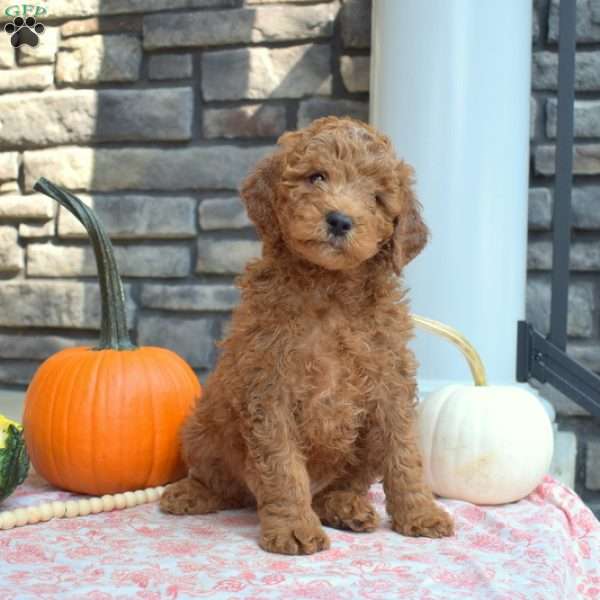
{"points": [[346, 509], [205, 491], [344, 504], [210, 485], [189, 497]]}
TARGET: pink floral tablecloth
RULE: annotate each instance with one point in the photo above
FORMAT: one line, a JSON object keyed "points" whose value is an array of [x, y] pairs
{"points": [[545, 547]]}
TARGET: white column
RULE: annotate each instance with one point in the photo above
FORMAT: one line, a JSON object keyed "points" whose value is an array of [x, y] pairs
{"points": [[450, 83]]}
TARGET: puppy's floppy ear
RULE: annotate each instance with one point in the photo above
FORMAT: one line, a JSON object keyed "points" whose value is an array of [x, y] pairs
{"points": [[410, 232], [258, 192], [290, 139]]}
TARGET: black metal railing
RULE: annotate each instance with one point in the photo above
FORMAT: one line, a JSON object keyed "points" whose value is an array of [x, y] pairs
{"points": [[545, 358]]}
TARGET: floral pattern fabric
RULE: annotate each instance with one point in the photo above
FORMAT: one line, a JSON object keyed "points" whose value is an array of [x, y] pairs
{"points": [[544, 547]]}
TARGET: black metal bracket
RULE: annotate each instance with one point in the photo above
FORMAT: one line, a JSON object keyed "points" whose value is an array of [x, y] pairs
{"points": [[545, 358], [540, 359]]}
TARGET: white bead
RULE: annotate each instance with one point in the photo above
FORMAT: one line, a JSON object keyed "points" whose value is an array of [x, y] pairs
{"points": [[140, 496], [33, 514], [108, 503], [130, 499], [21, 516], [72, 508], [120, 501], [7, 520], [161, 490], [152, 494], [85, 508], [59, 509], [46, 512], [96, 504]]}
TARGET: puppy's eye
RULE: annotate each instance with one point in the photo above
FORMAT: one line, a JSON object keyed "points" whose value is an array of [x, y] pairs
{"points": [[379, 200], [317, 177]]}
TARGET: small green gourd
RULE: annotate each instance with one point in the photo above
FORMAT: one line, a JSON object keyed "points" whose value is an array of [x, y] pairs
{"points": [[14, 461]]}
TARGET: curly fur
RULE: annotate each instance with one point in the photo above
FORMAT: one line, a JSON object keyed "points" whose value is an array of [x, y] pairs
{"points": [[313, 397]]}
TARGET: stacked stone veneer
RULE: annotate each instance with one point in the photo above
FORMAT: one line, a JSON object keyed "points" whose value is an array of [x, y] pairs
{"points": [[584, 292], [155, 111]]}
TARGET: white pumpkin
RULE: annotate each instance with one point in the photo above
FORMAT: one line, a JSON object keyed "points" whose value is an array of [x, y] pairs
{"points": [[486, 444]]}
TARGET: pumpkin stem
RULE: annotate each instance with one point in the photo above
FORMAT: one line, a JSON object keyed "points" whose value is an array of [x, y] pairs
{"points": [[113, 327], [460, 341]]}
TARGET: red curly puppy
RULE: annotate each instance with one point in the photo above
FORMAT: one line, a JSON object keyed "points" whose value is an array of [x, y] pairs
{"points": [[313, 397]]}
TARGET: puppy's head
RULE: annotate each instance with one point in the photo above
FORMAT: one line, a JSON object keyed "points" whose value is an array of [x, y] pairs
{"points": [[336, 195]]}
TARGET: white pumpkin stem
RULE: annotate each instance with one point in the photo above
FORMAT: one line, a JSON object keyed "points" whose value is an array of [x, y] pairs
{"points": [[80, 507], [460, 341]]}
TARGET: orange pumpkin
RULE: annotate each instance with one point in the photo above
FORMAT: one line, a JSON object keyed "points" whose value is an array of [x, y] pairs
{"points": [[106, 419]]}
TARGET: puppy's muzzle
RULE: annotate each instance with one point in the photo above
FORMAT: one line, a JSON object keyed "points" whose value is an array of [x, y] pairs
{"points": [[338, 223]]}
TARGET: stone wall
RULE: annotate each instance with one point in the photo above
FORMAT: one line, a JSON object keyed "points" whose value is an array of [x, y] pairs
{"points": [[580, 440], [154, 113]]}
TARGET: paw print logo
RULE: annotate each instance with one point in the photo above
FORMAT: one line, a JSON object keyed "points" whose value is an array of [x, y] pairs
{"points": [[24, 31]]}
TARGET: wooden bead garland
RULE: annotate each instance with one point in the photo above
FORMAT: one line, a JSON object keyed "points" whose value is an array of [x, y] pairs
{"points": [[77, 508]]}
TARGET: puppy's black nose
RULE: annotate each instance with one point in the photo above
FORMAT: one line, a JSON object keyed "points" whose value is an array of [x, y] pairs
{"points": [[339, 223]]}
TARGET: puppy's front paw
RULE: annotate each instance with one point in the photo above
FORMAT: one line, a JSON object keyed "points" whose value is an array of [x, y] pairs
{"points": [[295, 537], [430, 521]]}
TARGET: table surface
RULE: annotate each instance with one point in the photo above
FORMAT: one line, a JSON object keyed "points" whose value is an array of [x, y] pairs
{"points": [[544, 547]]}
